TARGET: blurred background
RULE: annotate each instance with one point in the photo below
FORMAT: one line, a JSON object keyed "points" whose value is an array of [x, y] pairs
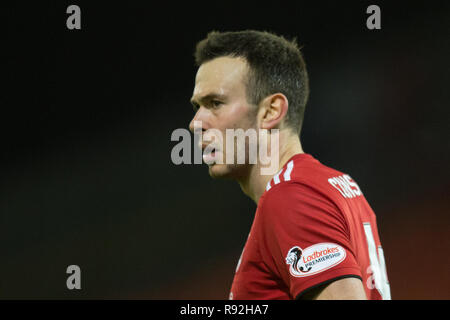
{"points": [[86, 119]]}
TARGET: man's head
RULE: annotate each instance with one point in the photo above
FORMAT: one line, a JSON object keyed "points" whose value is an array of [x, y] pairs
{"points": [[248, 80]]}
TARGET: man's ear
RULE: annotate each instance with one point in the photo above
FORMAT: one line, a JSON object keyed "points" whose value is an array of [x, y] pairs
{"points": [[272, 111]]}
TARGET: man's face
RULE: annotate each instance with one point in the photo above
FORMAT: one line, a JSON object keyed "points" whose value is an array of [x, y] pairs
{"points": [[220, 102]]}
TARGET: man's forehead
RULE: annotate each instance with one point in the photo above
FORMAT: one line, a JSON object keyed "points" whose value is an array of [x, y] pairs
{"points": [[219, 75]]}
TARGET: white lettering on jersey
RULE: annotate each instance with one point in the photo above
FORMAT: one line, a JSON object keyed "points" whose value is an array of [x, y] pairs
{"points": [[346, 186]]}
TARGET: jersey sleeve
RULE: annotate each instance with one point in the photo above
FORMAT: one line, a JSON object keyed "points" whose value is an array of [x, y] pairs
{"points": [[304, 238]]}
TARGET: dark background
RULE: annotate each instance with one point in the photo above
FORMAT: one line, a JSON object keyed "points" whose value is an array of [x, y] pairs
{"points": [[86, 119]]}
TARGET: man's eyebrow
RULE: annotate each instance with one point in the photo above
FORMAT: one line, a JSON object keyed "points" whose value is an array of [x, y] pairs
{"points": [[208, 97]]}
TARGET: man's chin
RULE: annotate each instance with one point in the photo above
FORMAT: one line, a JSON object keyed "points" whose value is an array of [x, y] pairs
{"points": [[220, 171], [224, 171], [217, 171]]}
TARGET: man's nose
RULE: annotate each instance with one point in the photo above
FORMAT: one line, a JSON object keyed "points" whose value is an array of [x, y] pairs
{"points": [[197, 121]]}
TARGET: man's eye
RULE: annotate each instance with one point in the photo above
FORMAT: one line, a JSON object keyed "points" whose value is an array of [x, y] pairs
{"points": [[195, 107], [216, 103]]}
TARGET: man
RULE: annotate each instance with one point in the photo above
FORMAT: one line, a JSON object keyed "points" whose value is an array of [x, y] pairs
{"points": [[314, 236]]}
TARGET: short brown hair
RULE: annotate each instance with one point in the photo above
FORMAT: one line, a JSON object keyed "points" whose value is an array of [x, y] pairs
{"points": [[276, 65]]}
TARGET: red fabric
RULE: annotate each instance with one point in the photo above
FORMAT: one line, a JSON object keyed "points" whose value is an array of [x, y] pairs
{"points": [[323, 219]]}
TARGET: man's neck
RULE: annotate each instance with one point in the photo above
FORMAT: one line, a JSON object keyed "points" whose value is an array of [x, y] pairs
{"points": [[255, 183]]}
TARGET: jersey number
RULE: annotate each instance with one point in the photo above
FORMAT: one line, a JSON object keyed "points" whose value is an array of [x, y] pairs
{"points": [[378, 279]]}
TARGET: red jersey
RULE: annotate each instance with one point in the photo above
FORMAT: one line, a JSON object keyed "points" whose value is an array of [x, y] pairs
{"points": [[312, 226]]}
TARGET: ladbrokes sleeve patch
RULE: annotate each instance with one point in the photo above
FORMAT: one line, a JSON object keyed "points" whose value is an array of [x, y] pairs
{"points": [[314, 259]]}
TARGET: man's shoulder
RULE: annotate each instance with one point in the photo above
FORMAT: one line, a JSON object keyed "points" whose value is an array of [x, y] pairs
{"points": [[303, 173], [308, 194], [298, 201], [304, 183]]}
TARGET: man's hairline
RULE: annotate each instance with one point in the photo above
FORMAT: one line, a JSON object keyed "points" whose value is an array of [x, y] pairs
{"points": [[246, 79]]}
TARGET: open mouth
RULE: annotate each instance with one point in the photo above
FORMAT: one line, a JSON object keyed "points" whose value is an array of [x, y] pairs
{"points": [[209, 156]]}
